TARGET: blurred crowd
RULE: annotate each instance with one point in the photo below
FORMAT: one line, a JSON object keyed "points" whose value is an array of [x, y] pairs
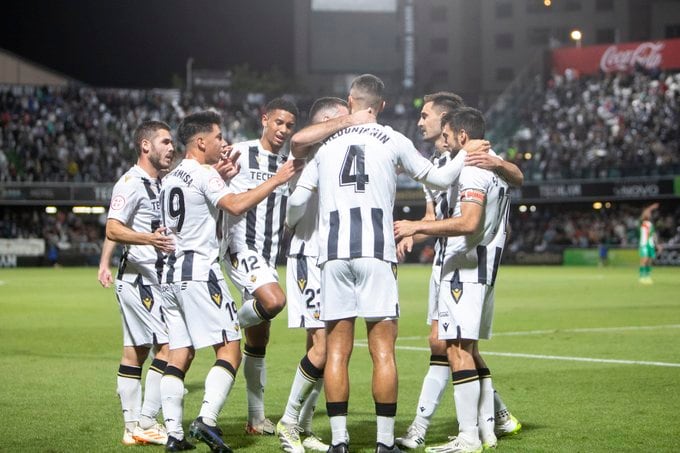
{"points": [[551, 228], [604, 126]]}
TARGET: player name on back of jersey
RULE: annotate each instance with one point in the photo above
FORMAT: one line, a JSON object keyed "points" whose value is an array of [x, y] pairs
{"points": [[373, 131], [183, 176]]}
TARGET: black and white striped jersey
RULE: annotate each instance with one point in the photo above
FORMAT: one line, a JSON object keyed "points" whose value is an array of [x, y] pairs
{"points": [[477, 256], [439, 199], [355, 171], [135, 203], [189, 198], [259, 229]]}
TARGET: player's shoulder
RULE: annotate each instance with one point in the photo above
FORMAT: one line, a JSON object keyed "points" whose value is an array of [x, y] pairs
{"points": [[245, 146]]}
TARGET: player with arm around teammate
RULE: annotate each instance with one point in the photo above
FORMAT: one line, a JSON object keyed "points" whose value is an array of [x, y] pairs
{"points": [[436, 106], [197, 306], [134, 220], [303, 283], [354, 172], [475, 240]]}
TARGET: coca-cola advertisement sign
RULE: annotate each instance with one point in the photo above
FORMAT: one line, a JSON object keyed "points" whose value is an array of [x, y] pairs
{"points": [[663, 54]]}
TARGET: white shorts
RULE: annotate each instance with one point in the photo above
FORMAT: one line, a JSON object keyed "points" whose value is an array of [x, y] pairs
{"points": [[465, 310], [199, 314], [303, 293], [365, 287], [248, 271], [140, 308], [433, 295]]}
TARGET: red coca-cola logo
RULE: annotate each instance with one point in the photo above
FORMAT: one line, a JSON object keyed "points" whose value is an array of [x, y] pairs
{"points": [[647, 54]]}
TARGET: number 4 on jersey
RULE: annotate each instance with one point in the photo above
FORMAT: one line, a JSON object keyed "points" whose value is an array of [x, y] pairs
{"points": [[354, 160]]}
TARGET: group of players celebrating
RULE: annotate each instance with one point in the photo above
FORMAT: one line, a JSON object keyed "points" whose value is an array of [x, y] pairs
{"points": [[229, 206]]}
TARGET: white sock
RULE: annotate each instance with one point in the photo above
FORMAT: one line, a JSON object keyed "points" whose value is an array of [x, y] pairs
{"points": [[218, 384], [255, 373], [385, 430], [338, 429], [434, 384], [466, 395], [500, 409], [248, 316], [485, 415], [152, 394], [308, 407], [306, 376], [129, 389], [172, 397]]}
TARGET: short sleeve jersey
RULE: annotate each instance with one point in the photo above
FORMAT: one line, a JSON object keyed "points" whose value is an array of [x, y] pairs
{"points": [[476, 257], [355, 172], [189, 198], [261, 227], [135, 203]]}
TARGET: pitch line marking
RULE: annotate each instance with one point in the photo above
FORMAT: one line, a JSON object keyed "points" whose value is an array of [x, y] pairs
{"points": [[549, 357], [581, 330]]}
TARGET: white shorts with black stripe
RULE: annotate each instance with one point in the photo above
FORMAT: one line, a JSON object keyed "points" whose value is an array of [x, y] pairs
{"points": [[303, 293], [248, 271], [140, 308], [433, 295], [199, 314], [364, 287], [465, 310]]}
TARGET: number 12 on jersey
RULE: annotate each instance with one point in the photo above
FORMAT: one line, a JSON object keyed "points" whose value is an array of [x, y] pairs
{"points": [[353, 172]]}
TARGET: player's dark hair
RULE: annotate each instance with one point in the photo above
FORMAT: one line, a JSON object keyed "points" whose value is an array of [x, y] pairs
{"points": [[282, 104], [197, 123], [468, 119], [145, 131], [324, 104], [445, 101], [367, 90]]}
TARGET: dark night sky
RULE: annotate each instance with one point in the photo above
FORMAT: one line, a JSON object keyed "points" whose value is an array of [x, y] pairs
{"points": [[141, 43]]}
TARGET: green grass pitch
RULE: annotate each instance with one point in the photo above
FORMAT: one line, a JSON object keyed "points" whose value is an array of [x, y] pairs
{"points": [[587, 358]]}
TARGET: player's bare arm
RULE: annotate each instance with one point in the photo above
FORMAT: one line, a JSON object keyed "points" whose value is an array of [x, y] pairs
{"points": [[303, 140], [467, 223], [506, 170], [121, 233], [104, 275], [238, 203], [405, 245]]}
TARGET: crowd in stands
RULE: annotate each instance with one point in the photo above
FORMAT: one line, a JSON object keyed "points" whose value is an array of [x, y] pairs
{"points": [[604, 126], [552, 228], [616, 125]]}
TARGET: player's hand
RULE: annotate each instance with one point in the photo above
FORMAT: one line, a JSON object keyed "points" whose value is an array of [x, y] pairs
{"points": [[404, 247], [363, 116], [483, 160], [288, 170], [104, 276], [228, 165], [404, 228], [162, 242], [477, 146]]}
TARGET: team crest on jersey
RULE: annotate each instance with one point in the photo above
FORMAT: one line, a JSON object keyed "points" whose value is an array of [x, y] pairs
{"points": [[234, 260], [456, 287], [253, 278], [394, 270], [217, 298]]}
